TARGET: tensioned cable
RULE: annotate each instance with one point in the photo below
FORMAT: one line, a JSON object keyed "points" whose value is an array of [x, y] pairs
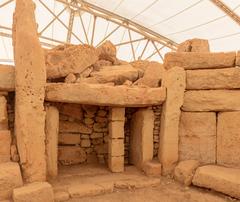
{"points": [[53, 26], [225, 36], [202, 24], [180, 12]]}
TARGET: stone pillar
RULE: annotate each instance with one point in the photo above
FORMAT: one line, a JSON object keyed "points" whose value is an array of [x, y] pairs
{"points": [[116, 139], [52, 129], [3, 113], [141, 137], [29, 86], [175, 82]]}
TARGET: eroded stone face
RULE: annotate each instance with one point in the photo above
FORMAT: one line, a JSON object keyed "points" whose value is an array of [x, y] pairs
{"points": [[5, 145], [194, 45], [107, 51], [228, 138], [238, 58], [197, 137]]}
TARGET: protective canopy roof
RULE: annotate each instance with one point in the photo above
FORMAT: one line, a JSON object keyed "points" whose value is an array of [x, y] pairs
{"points": [[174, 19]]}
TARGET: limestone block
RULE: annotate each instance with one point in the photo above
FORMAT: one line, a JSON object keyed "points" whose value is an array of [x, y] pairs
{"points": [[30, 81], [117, 114], [60, 196], [116, 147], [117, 96], [238, 59], [101, 149], [96, 135], [228, 139], [117, 74], [5, 145], [73, 110], [70, 78], [199, 60], [7, 78], [65, 59], [85, 143], [152, 168], [211, 100], [116, 129], [225, 180], [73, 127], [69, 139], [3, 114], [227, 78], [141, 139], [90, 109], [107, 51], [116, 163], [185, 171], [175, 81], [10, 178], [34, 192], [194, 45], [51, 130], [197, 136], [69, 155], [152, 76]]}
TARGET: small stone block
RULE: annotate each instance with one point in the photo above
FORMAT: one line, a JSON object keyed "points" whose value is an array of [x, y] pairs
{"points": [[117, 114], [116, 147], [116, 164], [116, 129], [152, 168]]}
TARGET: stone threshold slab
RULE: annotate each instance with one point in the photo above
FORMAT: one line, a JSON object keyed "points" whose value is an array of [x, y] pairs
{"points": [[104, 95]]}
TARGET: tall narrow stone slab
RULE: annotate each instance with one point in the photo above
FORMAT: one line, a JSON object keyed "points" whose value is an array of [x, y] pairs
{"points": [[7, 78], [30, 77], [141, 138], [238, 59], [3, 113], [5, 145], [197, 137], [175, 82], [228, 139], [51, 129]]}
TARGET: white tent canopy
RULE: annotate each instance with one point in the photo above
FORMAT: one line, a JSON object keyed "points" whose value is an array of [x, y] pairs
{"points": [[165, 20]]}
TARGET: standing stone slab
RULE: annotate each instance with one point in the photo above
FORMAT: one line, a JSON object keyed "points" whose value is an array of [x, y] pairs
{"points": [[228, 139], [30, 82], [5, 145], [7, 78], [194, 45], [227, 78], [238, 59], [225, 180], [3, 113], [141, 138], [199, 60], [175, 82], [197, 137], [211, 100], [51, 129]]}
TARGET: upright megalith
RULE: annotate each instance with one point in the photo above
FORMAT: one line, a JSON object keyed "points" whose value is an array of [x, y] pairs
{"points": [[30, 82]]}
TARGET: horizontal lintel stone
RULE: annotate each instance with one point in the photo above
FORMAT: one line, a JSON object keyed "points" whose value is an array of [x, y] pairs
{"points": [[211, 100], [103, 95], [197, 60]]}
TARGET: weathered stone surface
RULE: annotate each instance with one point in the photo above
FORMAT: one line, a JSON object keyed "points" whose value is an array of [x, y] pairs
{"points": [[69, 155], [185, 171], [69, 139], [194, 45], [3, 114], [238, 58], [73, 110], [60, 196], [152, 168], [175, 81], [107, 51], [52, 130], [10, 178], [73, 127], [152, 76], [30, 80], [197, 136], [34, 192], [141, 139], [211, 100], [228, 139], [5, 145], [199, 60], [117, 114], [7, 78], [70, 78], [116, 163], [121, 96], [116, 129], [85, 143], [227, 78], [65, 59], [84, 190], [225, 180], [116, 74]]}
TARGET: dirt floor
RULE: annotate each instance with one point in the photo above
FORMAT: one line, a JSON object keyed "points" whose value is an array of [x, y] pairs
{"points": [[163, 190]]}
